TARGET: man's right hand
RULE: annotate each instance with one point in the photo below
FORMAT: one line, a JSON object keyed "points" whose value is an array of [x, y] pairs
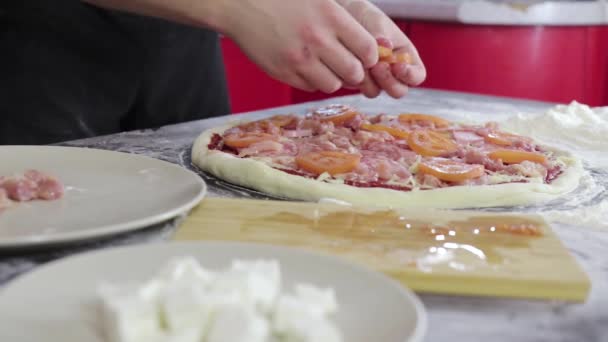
{"points": [[311, 45]]}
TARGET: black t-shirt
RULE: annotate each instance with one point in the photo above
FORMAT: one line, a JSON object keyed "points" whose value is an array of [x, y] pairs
{"points": [[70, 70]]}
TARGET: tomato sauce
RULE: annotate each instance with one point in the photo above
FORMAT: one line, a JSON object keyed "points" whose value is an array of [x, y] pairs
{"points": [[553, 173], [216, 144]]}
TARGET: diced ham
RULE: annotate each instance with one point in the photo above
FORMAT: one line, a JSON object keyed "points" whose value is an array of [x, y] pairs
{"points": [[264, 147], [475, 156], [354, 123], [467, 137], [292, 125], [380, 118], [364, 171], [388, 169], [527, 169], [524, 145], [341, 141], [20, 189], [30, 186], [34, 175], [5, 202], [327, 145], [374, 168], [49, 189], [316, 126], [390, 151], [315, 144], [482, 131], [298, 133], [362, 137], [290, 148], [344, 132]]}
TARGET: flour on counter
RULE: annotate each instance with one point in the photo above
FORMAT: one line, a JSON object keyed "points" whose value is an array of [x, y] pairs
{"points": [[579, 128], [595, 216], [583, 131]]}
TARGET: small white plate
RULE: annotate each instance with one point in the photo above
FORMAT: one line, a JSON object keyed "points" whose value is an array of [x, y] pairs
{"points": [[56, 301], [106, 193]]}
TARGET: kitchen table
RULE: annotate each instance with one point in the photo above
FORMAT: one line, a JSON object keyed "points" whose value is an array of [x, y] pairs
{"points": [[451, 318]]}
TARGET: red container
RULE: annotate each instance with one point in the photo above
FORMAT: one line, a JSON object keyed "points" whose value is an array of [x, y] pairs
{"points": [[547, 63]]}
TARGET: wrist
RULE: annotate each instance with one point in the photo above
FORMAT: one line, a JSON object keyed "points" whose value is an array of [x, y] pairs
{"points": [[215, 14]]}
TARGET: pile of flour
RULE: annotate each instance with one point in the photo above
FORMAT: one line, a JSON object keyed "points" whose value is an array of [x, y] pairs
{"points": [[583, 131], [576, 127]]}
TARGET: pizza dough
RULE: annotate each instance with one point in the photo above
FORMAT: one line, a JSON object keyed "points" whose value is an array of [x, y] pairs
{"points": [[262, 177]]}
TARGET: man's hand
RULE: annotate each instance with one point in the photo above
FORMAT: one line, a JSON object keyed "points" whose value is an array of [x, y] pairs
{"points": [[324, 44], [311, 45], [393, 78]]}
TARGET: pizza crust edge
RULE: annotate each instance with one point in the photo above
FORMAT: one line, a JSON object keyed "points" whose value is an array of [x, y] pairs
{"points": [[259, 176]]}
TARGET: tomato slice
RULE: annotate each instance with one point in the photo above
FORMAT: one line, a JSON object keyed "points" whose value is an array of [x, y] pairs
{"points": [[431, 143], [516, 157], [503, 138], [425, 119], [259, 125], [450, 170], [332, 162], [404, 57], [391, 59], [282, 120], [386, 55], [384, 52], [245, 139], [265, 124], [395, 132], [338, 114]]}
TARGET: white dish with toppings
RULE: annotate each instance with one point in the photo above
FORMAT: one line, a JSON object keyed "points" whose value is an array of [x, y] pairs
{"points": [[242, 295], [105, 193]]}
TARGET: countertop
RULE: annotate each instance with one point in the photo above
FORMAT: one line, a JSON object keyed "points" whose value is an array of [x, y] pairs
{"points": [[451, 318], [497, 12]]}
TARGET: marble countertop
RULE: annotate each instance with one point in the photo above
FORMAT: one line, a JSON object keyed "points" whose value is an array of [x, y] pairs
{"points": [[451, 318], [500, 12]]}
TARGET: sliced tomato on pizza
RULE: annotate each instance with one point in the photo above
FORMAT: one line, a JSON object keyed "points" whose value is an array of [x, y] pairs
{"points": [[338, 145]]}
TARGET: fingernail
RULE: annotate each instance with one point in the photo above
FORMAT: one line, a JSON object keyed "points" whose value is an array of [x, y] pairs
{"points": [[400, 69], [382, 41]]}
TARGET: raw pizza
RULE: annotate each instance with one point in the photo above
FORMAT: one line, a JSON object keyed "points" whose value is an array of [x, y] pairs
{"points": [[405, 160]]}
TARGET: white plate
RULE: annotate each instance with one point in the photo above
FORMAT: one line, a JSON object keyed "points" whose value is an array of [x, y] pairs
{"points": [[55, 302], [106, 192]]}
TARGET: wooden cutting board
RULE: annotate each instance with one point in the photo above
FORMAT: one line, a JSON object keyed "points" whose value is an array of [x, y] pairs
{"points": [[450, 252]]}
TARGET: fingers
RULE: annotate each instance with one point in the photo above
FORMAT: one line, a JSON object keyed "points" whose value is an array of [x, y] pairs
{"points": [[320, 77], [356, 38], [299, 82], [390, 36], [344, 64], [368, 87], [414, 73], [383, 76]]}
